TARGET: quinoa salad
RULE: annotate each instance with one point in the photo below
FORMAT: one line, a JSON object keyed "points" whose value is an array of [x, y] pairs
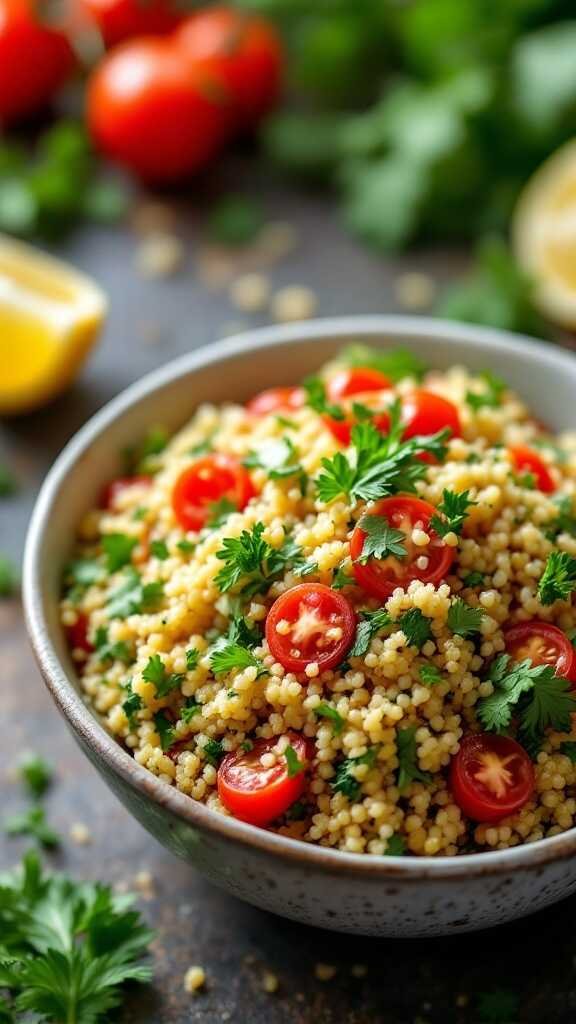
{"points": [[343, 611]]}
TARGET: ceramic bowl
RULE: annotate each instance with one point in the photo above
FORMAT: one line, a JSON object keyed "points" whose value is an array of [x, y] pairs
{"points": [[390, 896]]}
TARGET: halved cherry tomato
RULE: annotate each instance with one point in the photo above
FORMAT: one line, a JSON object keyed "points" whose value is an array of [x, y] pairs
{"points": [[276, 400], [206, 481], [429, 564], [116, 487], [491, 776], [35, 59], [359, 382], [256, 794], [543, 644], [117, 20], [424, 412], [310, 623], [526, 460], [77, 635]]}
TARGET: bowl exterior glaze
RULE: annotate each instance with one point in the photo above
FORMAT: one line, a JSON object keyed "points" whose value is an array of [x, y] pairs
{"points": [[388, 896]]}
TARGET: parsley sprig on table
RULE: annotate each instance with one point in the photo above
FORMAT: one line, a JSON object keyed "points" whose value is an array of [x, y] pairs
{"points": [[532, 694], [252, 564], [381, 539], [378, 464], [453, 511], [164, 682], [558, 579]]}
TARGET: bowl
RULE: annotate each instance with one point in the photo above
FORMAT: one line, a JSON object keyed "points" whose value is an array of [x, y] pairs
{"points": [[388, 896]]}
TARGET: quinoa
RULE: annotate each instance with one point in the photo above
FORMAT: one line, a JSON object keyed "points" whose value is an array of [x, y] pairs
{"points": [[499, 558]]}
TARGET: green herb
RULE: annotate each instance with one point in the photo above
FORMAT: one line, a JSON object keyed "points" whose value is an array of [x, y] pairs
{"points": [[394, 363], [247, 746], [532, 693], [106, 651], [283, 421], [153, 443], [278, 457], [474, 579], [293, 765], [369, 625], [525, 480], [498, 1007], [202, 448], [139, 514], [408, 770], [235, 220], [8, 577], [415, 626], [297, 811], [491, 395], [133, 596], [464, 620], [232, 656], [316, 399], [379, 464], [118, 548], [32, 822], [341, 579], [569, 749], [253, 562], [345, 781], [213, 752], [565, 521], [381, 540], [67, 946], [430, 675], [186, 546], [219, 511], [192, 658], [325, 710], [159, 549], [165, 730], [8, 483], [36, 774], [306, 569], [453, 511], [190, 709], [131, 706], [83, 572], [395, 847], [155, 672], [558, 579]]}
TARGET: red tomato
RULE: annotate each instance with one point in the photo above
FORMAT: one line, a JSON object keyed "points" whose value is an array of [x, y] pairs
{"points": [[526, 460], [424, 412], [356, 384], [276, 400], [243, 55], [381, 577], [77, 635], [118, 20], [543, 644], [257, 794], [35, 60], [316, 624], [149, 109], [116, 487], [491, 776], [206, 481]]}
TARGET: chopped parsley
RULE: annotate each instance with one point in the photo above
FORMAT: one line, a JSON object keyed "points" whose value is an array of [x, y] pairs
{"points": [[190, 709], [192, 657], [82, 573], [134, 596], [453, 511], [219, 511], [32, 823], [250, 561], [325, 710], [118, 548], [536, 698], [565, 521], [464, 620], [369, 625], [139, 514], [408, 770], [415, 626], [341, 579], [381, 539], [395, 363], [293, 764], [491, 396], [316, 399], [569, 749], [159, 549], [131, 706], [213, 752], [107, 651], [279, 457], [395, 847], [36, 774], [186, 546], [155, 672], [142, 458], [232, 656], [525, 480], [558, 579], [430, 675], [474, 579], [345, 781], [165, 730]]}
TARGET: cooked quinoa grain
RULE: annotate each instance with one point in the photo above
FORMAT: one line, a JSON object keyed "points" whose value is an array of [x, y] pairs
{"points": [[169, 613]]}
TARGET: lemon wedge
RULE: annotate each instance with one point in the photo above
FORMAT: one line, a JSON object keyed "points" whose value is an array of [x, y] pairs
{"points": [[544, 235], [50, 316]]}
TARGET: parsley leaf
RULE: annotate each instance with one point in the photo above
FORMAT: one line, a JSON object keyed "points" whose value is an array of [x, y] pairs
{"points": [[395, 847], [131, 706], [134, 596], [36, 774], [219, 512], [316, 399], [453, 511], [430, 675], [341, 579], [165, 730], [293, 764], [565, 521], [491, 395], [539, 699], [189, 709], [83, 572], [106, 651], [381, 539], [118, 548], [155, 672], [232, 656], [192, 657], [558, 579], [159, 549], [569, 749], [253, 562], [408, 770], [474, 579], [8, 577], [464, 620], [415, 626], [345, 781], [394, 363], [369, 624], [325, 710], [213, 751], [186, 546], [32, 822]]}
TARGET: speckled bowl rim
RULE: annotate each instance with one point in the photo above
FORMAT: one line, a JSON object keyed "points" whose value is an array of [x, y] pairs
{"points": [[104, 747]]}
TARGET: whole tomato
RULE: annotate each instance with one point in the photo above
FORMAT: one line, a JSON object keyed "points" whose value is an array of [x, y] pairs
{"points": [[242, 52], [149, 108], [118, 20], [35, 60]]}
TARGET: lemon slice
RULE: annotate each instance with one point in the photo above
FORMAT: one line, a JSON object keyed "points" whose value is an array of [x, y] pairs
{"points": [[50, 316], [544, 235]]}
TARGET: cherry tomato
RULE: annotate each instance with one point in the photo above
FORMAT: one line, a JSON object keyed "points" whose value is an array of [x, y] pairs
{"points": [[257, 794], [491, 776], [429, 564], [276, 400], [116, 487], [424, 412], [150, 109], [77, 635], [206, 481], [310, 623], [358, 384], [243, 55], [526, 460], [543, 644], [35, 60], [118, 20]]}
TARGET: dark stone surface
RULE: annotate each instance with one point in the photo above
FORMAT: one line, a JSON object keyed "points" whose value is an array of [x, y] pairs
{"points": [[424, 982]]}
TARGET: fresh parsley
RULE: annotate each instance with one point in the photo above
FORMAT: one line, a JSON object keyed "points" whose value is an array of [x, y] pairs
{"points": [[453, 511], [381, 539], [36, 774], [118, 548], [8, 483], [32, 823], [395, 847], [316, 399], [219, 511], [186, 546], [192, 658], [232, 656], [464, 620], [558, 579], [415, 626], [565, 521], [569, 749], [341, 579], [8, 576], [213, 752], [408, 770], [164, 682], [190, 709], [108, 651], [252, 563], [165, 730], [430, 675], [159, 549], [131, 706], [134, 596], [294, 765], [369, 625], [394, 363], [345, 781], [532, 693], [474, 579], [325, 710], [279, 457], [490, 397]]}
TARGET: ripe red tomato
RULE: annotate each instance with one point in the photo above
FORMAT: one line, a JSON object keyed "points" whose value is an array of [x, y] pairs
{"points": [[429, 564], [424, 412], [35, 60], [207, 481], [150, 109], [358, 384], [256, 794], [491, 776], [243, 55], [276, 400], [116, 487], [118, 20], [526, 460], [77, 635], [543, 644], [310, 623]]}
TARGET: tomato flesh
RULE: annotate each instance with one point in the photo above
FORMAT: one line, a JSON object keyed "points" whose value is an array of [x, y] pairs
{"points": [[257, 794], [276, 400], [526, 460], [117, 20], [310, 623], [491, 776], [35, 59], [543, 644], [356, 381], [117, 487], [359, 384], [205, 482], [430, 564], [424, 413], [77, 635]]}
